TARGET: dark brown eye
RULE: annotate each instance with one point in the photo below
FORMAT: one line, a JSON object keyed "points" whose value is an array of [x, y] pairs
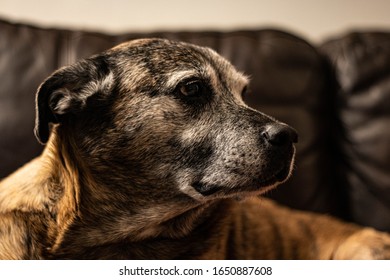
{"points": [[190, 89]]}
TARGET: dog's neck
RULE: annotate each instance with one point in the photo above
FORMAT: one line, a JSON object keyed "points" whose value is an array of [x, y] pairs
{"points": [[87, 220]]}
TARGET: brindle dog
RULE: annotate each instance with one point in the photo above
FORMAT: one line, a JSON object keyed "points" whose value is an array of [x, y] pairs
{"points": [[149, 149]]}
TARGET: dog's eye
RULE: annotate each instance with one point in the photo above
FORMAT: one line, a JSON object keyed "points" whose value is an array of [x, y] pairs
{"points": [[190, 89]]}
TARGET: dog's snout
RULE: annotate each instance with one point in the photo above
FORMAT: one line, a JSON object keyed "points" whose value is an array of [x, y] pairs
{"points": [[280, 134]]}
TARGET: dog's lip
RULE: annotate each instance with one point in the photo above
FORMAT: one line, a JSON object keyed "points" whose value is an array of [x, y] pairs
{"points": [[210, 189], [206, 189]]}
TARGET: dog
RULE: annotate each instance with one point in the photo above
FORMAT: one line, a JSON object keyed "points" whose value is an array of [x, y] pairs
{"points": [[151, 153]]}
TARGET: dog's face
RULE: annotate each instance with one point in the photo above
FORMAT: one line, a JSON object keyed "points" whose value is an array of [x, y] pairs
{"points": [[166, 121]]}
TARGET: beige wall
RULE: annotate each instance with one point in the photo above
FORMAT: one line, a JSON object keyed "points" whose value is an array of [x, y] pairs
{"points": [[313, 19]]}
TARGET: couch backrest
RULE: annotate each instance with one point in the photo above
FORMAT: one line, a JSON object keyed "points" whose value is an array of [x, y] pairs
{"points": [[361, 65]]}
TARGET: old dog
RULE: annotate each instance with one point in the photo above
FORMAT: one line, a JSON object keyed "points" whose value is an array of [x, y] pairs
{"points": [[151, 153]]}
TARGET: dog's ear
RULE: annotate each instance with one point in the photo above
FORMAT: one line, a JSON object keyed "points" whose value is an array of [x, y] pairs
{"points": [[67, 91]]}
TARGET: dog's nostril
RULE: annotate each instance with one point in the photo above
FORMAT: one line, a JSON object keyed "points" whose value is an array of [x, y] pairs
{"points": [[280, 134]]}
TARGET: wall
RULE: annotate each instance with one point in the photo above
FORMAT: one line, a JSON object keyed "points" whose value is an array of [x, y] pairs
{"points": [[314, 20]]}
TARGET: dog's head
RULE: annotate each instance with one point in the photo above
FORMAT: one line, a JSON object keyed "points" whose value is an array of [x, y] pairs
{"points": [[166, 120]]}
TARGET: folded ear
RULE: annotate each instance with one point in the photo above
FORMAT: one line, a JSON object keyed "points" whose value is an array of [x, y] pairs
{"points": [[67, 91]]}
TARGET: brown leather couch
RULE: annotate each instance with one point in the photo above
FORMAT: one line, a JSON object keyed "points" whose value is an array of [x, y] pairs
{"points": [[337, 96]]}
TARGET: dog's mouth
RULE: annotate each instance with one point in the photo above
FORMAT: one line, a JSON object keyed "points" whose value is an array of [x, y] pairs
{"points": [[254, 186]]}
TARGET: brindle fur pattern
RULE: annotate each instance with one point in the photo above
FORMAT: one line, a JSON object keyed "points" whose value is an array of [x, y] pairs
{"points": [[151, 153]]}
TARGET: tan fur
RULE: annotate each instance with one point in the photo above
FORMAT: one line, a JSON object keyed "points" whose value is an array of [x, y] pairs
{"points": [[84, 197], [254, 228]]}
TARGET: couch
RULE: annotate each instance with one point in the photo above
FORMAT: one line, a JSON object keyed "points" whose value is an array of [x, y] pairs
{"points": [[335, 94]]}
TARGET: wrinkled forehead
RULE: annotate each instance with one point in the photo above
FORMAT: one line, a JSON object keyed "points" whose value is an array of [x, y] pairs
{"points": [[214, 67], [177, 61]]}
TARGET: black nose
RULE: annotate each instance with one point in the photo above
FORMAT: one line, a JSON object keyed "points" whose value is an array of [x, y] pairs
{"points": [[279, 134]]}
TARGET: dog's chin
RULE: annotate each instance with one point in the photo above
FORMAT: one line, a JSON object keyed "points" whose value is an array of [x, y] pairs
{"points": [[253, 187]]}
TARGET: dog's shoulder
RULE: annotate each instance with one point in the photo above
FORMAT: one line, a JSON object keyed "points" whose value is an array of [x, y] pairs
{"points": [[24, 198], [19, 232], [26, 189]]}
